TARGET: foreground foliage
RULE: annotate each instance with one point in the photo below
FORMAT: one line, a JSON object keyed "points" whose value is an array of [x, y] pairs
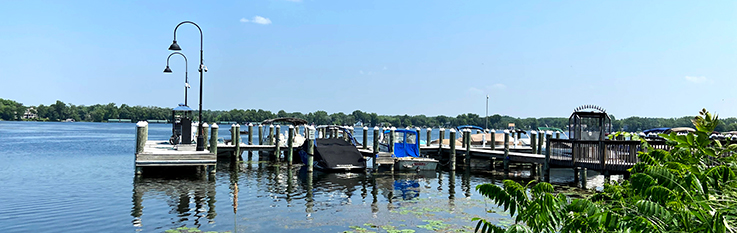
{"points": [[691, 188]]}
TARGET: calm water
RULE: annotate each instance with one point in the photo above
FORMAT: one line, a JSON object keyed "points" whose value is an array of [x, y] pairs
{"points": [[79, 177]]}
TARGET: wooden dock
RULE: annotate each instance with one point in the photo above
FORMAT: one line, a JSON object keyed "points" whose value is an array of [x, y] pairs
{"points": [[163, 154]]}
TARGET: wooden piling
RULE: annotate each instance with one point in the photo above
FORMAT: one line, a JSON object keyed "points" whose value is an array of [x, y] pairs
{"points": [[583, 176], [270, 137], [452, 149], [290, 145], [506, 151], [557, 135], [533, 141], [141, 136], [214, 138], [493, 139], [237, 142], [546, 165], [365, 137], [260, 134], [417, 129], [540, 142], [250, 134], [441, 136], [467, 160], [310, 148], [428, 137], [376, 146], [277, 142], [205, 132]]}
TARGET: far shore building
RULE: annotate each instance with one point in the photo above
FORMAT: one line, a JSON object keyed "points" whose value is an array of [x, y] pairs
{"points": [[30, 113]]}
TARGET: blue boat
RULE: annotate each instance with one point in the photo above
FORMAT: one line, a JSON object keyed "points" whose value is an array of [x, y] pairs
{"points": [[406, 153]]}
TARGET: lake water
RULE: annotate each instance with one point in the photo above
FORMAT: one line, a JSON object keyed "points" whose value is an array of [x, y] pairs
{"points": [[79, 177]]}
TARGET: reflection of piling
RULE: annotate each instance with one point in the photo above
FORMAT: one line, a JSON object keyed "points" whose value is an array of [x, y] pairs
{"points": [[452, 149], [290, 145], [466, 182], [452, 189], [310, 196]]}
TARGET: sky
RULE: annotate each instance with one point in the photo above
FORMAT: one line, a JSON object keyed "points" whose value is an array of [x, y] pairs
{"points": [[532, 58]]}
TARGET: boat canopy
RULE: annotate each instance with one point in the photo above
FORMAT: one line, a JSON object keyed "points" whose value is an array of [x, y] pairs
{"points": [[405, 143], [291, 120], [656, 130], [461, 127], [182, 108]]}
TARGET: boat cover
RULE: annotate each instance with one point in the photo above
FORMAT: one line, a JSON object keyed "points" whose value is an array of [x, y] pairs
{"points": [[407, 145], [655, 130], [334, 151], [459, 128]]}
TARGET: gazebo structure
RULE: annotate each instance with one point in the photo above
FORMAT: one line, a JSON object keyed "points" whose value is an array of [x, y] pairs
{"points": [[181, 132], [592, 125]]}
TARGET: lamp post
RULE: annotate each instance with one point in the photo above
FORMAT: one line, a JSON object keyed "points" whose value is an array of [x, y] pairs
{"points": [[486, 120], [174, 46], [186, 69]]}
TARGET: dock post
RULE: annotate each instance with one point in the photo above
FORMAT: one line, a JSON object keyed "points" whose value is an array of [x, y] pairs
{"points": [[250, 134], [506, 152], [540, 142], [441, 136], [467, 160], [237, 142], [214, 138], [376, 147], [417, 129], [352, 132], [546, 166], [576, 174], [391, 139], [277, 141], [583, 176], [428, 137], [270, 137], [452, 149], [260, 134], [290, 144], [365, 137], [557, 135], [493, 139], [141, 136], [205, 128], [533, 141], [310, 148]]}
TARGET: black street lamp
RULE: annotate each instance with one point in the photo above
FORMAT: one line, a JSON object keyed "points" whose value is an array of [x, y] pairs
{"points": [[202, 68], [186, 79]]}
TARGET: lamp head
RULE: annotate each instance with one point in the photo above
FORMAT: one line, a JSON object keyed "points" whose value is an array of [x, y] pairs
{"points": [[167, 70], [174, 46]]}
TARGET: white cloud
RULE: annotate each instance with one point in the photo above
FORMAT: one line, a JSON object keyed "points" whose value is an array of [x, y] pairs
{"points": [[257, 19], [384, 68], [698, 79], [498, 86], [476, 91], [360, 71]]}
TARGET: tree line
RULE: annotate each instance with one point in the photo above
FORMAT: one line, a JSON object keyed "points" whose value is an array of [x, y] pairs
{"points": [[59, 111]]}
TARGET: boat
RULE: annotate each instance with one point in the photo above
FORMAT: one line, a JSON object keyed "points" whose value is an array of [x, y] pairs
{"points": [[406, 153], [334, 154], [298, 139]]}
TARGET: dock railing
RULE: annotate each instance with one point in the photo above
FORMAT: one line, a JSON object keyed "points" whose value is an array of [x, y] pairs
{"points": [[609, 155]]}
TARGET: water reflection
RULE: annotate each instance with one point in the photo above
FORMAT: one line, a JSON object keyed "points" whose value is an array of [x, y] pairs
{"points": [[180, 194]]}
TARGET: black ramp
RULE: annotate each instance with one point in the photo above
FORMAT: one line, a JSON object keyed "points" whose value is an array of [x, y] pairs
{"points": [[334, 151]]}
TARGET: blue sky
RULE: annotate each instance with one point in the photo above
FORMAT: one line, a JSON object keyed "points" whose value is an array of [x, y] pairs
{"points": [[533, 58]]}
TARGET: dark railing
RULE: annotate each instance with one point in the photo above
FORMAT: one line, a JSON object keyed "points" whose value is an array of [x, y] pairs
{"points": [[617, 155]]}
